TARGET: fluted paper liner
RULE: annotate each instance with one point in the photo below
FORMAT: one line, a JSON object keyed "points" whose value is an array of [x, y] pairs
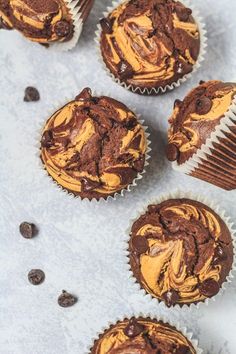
{"points": [[77, 10], [177, 326], [155, 91], [201, 156], [70, 194], [179, 195]]}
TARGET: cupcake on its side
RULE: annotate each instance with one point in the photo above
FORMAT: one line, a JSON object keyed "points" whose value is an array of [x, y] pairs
{"points": [[45, 22], [202, 135], [149, 46], [94, 147], [180, 252], [142, 336]]}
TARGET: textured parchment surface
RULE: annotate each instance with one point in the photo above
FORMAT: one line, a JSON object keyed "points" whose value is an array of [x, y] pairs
{"points": [[80, 245]]}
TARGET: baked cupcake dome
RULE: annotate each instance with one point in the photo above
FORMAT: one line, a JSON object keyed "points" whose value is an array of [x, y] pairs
{"points": [[180, 251], [142, 336], [149, 44], [42, 21], [191, 125], [93, 147]]}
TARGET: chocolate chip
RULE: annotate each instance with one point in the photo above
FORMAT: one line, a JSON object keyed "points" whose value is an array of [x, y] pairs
{"points": [[125, 70], [28, 230], [172, 152], [47, 139], [140, 244], [209, 288], [45, 45], [31, 94], [178, 103], [138, 165], [171, 297], [203, 105], [84, 95], [183, 349], [66, 299], [183, 68], [36, 276], [183, 13], [4, 25], [201, 82], [219, 255], [107, 24], [62, 28], [89, 185], [133, 329]]}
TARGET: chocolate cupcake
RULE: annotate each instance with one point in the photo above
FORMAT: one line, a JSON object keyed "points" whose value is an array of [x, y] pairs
{"points": [[46, 22], [94, 147], [180, 251], [202, 135], [142, 336], [151, 46]]}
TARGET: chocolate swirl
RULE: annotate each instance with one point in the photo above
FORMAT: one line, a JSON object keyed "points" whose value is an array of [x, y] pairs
{"points": [[150, 44], [42, 21], [93, 146], [194, 119], [151, 337], [180, 251]]}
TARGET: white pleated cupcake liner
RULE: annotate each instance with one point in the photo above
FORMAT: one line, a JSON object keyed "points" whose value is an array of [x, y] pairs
{"points": [[76, 11], [61, 189], [155, 91], [201, 156], [177, 326], [180, 195]]}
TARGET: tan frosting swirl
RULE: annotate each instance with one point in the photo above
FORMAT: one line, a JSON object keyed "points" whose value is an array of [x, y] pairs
{"points": [[182, 238], [152, 40], [156, 336], [95, 146]]}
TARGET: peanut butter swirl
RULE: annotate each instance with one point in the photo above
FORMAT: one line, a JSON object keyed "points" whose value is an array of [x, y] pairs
{"points": [[180, 251], [142, 336], [93, 146], [42, 21], [196, 117], [150, 43]]}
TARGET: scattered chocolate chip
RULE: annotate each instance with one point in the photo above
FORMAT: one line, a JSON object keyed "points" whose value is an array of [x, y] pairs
{"points": [[183, 13], [171, 297], [140, 244], [133, 329], [183, 349], [36, 276], [47, 139], [31, 94], [183, 68], [178, 103], [125, 70], [107, 24], [89, 185], [62, 28], [219, 255], [4, 25], [172, 152], [66, 299], [45, 45], [203, 105], [209, 288], [84, 95], [28, 230], [201, 82]]}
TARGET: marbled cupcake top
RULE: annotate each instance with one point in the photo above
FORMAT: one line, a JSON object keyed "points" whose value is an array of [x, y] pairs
{"points": [[42, 21], [93, 146], [150, 43], [196, 117], [142, 336], [180, 251]]}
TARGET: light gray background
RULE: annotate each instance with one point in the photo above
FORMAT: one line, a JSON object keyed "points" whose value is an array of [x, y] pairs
{"points": [[79, 245]]}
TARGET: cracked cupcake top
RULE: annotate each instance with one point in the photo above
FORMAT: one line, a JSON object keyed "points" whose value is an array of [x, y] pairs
{"points": [[93, 146], [142, 336], [150, 43], [42, 21], [196, 117], [180, 251]]}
